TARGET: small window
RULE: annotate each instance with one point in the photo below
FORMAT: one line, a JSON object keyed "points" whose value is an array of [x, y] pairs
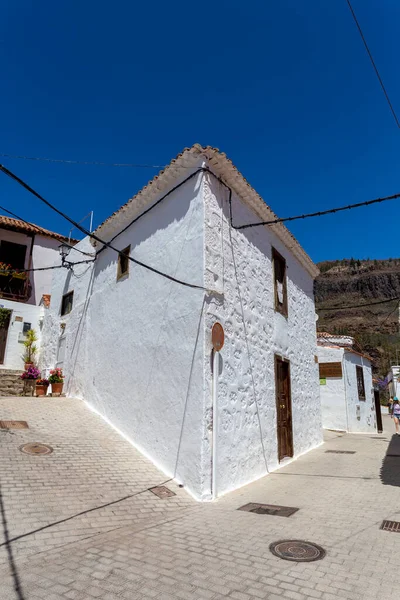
{"points": [[360, 383], [66, 303], [123, 262], [280, 288], [26, 327]]}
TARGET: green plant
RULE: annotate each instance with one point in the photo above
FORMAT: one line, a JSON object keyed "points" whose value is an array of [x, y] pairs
{"points": [[56, 376], [30, 348], [4, 316]]}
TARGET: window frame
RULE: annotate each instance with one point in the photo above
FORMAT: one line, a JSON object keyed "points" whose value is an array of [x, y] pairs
{"points": [[279, 307], [360, 383], [126, 252], [63, 303]]}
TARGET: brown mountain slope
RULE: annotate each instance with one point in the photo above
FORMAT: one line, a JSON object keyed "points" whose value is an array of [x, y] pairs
{"points": [[348, 282]]}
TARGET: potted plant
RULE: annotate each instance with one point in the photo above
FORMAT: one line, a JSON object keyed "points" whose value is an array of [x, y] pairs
{"points": [[30, 348], [29, 378], [57, 381], [19, 274], [5, 269], [41, 387]]}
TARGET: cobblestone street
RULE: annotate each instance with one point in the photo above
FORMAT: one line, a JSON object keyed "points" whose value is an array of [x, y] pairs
{"points": [[81, 523]]}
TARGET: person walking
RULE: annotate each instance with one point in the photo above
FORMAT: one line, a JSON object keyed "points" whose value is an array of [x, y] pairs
{"points": [[396, 414], [390, 405]]}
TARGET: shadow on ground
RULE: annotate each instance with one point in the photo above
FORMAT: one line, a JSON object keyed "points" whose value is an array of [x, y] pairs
{"points": [[390, 471]]}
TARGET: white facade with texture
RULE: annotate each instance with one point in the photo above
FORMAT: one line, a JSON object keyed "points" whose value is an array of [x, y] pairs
{"points": [[136, 345], [347, 394], [25, 248]]}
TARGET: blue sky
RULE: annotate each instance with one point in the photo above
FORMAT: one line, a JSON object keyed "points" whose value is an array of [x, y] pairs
{"points": [[284, 88]]}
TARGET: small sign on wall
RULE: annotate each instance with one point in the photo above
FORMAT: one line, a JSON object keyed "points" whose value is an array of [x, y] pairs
{"points": [[322, 381], [333, 369], [20, 319]]}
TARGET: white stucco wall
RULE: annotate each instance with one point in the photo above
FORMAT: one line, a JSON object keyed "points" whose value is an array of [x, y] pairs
{"points": [[333, 395], [14, 346], [341, 408], [238, 263], [134, 348], [44, 254], [138, 350], [366, 423]]}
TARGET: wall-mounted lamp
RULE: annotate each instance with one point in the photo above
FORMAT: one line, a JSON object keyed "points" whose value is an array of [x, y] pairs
{"points": [[64, 250]]}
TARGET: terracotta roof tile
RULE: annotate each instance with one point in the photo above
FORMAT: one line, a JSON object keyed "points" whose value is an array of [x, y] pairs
{"points": [[183, 165], [23, 227]]}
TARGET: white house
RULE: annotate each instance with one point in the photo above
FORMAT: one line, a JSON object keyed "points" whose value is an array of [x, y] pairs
{"points": [[136, 344], [347, 393], [23, 295]]}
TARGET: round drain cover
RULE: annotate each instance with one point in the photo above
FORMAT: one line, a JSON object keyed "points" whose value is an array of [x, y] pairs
{"points": [[36, 448], [297, 550]]}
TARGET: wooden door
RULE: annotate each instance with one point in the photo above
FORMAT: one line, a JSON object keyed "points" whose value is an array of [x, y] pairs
{"points": [[3, 336], [283, 408], [378, 411]]}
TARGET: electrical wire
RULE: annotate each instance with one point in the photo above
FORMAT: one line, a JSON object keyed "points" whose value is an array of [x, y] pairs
{"points": [[356, 305], [390, 314], [95, 237], [80, 262], [89, 162], [315, 214], [38, 232], [373, 64]]}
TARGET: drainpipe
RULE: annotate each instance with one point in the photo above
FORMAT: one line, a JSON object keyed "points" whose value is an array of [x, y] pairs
{"points": [[214, 490]]}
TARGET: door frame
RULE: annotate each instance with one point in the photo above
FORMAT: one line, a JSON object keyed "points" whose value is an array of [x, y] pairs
{"points": [[7, 334], [282, 359]]}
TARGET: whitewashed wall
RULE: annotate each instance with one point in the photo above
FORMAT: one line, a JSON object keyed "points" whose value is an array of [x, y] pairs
{"points": [[134, 348], [45, 254], [238, 263], [14, 346], [367, 421], [333, 394], [339, 397]]}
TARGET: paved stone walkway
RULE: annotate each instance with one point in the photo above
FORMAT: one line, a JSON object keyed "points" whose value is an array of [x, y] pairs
{"points": [[142, 547]]}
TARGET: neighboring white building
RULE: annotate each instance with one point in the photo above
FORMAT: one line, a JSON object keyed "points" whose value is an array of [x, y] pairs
{"points": [[393, 379], [137, 346], [347, 393], [24, 246]]}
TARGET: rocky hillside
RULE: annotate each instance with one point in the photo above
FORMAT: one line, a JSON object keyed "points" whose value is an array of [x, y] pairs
{"points": [[347, 282]]}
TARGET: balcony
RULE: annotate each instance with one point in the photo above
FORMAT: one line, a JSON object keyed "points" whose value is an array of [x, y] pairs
{"points": [[14, 285]]}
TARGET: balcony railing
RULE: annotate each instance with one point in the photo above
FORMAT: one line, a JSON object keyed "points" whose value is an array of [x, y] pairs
{"points": [[15, 286]]}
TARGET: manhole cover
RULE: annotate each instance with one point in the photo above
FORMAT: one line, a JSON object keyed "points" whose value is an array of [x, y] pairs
{"points": [[269, 509], [297, 550], [162, 491], [391, 526], [36, 448], [13, 425], [340, 451]]}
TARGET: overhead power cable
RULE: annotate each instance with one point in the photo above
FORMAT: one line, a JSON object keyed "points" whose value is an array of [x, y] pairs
{"points": [[32, 225], [334, 308], [317, 214], [88, 162], [94, 236], [12, 270], [373, 64]]}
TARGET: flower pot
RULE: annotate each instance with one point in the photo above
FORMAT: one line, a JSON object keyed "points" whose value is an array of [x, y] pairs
{"points": [[41, 390], [57, 388], [27, 365], [29, 387]]}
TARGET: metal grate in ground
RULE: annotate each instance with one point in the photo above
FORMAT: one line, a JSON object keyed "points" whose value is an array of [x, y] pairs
{"points": [[162, 491], [14, 425], [269, 509], [340, 451], [391, 526]]}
